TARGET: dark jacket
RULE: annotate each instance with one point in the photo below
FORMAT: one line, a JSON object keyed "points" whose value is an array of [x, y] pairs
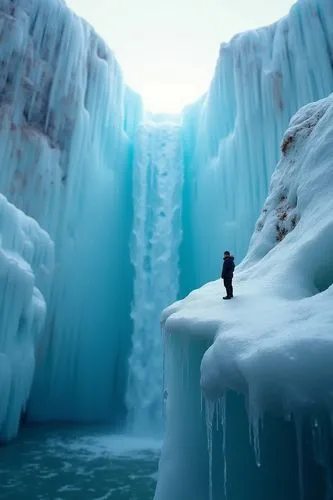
{"points": [[228, 268]]}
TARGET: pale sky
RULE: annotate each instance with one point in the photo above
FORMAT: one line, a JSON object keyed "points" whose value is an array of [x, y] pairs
{"points": [[168, 48]]}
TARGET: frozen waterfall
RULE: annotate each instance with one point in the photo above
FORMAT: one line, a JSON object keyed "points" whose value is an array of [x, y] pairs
{"points": [[67, 122], [110, 215], [156, 237]]}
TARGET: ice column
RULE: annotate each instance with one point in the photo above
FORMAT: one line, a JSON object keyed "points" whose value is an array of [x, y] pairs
{"points": [[26, 265], [157, 193], [66, 127]]}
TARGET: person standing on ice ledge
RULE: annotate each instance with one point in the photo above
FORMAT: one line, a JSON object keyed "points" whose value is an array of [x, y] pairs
{"points": [[228, 274]]}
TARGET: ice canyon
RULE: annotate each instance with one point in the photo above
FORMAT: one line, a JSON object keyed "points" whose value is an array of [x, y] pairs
{"points": [[108, 216]]}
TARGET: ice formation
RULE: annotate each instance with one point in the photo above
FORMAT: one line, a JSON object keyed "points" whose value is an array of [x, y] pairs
{"points": [[26, 265], [128, 240], [67, 122], [273, 343], [157, 193], [232, 136]]}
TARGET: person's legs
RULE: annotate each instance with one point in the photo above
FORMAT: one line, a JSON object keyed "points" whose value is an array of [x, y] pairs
{"points": [[228, 287]]}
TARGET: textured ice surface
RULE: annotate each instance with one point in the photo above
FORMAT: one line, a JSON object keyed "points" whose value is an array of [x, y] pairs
{"points": [[273, 343], [232, 135], [67, 122], [157, 197], [284, 284], [67, 142], [26, 265]]}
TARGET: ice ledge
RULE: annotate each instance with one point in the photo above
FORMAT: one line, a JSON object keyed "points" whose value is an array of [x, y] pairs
{"points": [[274, 341]]}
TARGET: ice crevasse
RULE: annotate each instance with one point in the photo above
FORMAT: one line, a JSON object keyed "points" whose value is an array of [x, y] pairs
{"points": [[263, 361]]}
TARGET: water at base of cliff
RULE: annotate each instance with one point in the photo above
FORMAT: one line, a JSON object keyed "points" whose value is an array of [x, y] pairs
{"points": [[85, 463]]}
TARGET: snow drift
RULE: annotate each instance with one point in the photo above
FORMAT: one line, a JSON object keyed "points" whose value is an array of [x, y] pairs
{"points": [[273, 343]]}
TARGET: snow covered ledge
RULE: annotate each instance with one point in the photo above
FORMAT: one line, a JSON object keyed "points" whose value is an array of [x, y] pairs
{"points": [[269, 361], [26, 261]]}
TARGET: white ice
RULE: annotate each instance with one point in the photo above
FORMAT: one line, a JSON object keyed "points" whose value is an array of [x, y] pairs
{"points": [[26, 266]]}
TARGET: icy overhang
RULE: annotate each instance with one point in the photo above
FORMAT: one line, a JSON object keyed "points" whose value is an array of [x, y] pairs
{"points": [[274, 341]]}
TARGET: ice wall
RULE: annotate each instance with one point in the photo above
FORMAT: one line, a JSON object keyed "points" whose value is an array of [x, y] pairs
{"points": [[232, 136], [156, 236], [272, 345], [67, 140], [67, 122], [26, 266]]}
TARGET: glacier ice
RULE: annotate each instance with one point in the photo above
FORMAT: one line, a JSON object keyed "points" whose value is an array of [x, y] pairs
{"points": [[67, 122], [272, 344], [26, 266], [232, 135], [74, 155]]}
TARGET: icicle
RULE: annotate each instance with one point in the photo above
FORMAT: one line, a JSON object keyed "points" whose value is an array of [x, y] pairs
{"points": [[218, 413], [224, 437], [202, 402], [210, 411], [185, 359], [299, 437], [165, 353], [256, 440], [254, 429], [322, 455]]}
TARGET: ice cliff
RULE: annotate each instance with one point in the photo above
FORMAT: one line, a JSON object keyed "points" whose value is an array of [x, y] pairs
{"points": [[67, 123], [232, 136], [272, 344], [138, 213]]}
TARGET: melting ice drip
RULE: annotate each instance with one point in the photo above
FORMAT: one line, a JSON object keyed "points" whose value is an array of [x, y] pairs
{"points": [[158, 179]]}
